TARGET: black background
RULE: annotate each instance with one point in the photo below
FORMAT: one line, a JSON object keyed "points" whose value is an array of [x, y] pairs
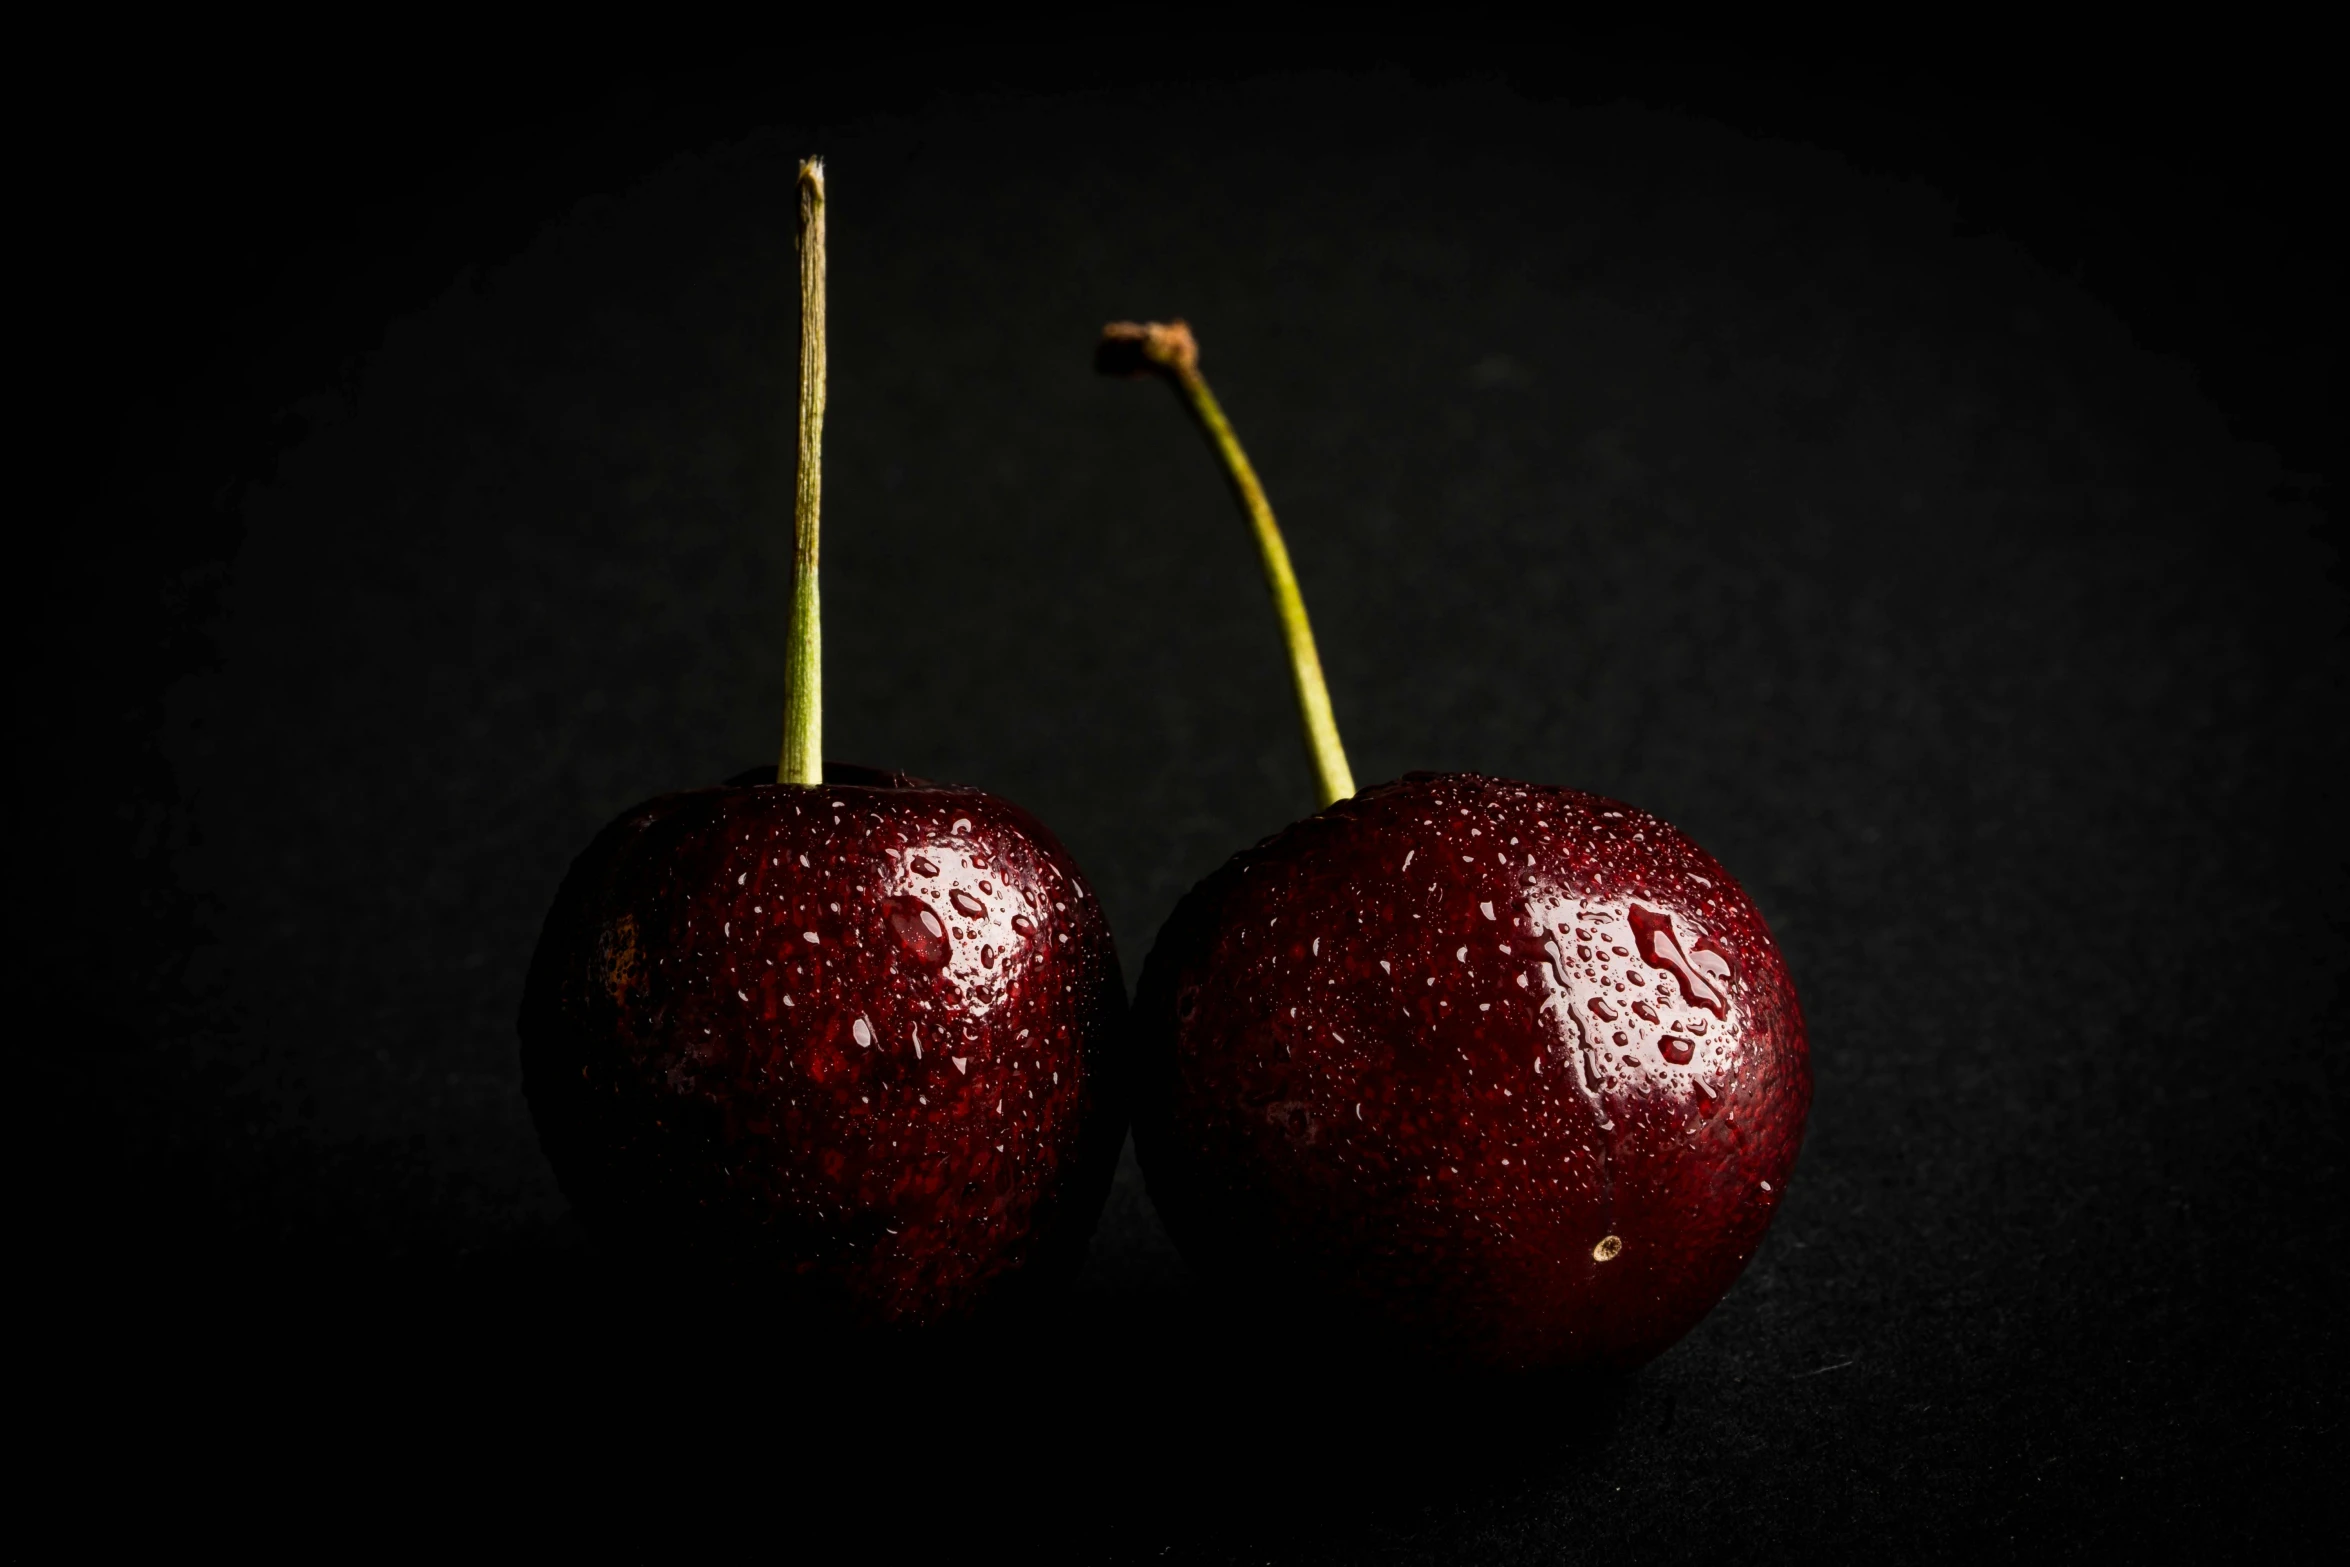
{"points": [[1907, 475]]}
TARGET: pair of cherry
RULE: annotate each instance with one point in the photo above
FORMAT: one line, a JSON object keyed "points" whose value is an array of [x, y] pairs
{"points": [[1511, 1073]]}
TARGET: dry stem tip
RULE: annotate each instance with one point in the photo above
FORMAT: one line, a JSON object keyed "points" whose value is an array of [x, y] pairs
{"points": [[1147, 348]]}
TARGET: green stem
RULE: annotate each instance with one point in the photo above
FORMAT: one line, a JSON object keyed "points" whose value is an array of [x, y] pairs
{"points": [[1168, 349], [803, 702]]}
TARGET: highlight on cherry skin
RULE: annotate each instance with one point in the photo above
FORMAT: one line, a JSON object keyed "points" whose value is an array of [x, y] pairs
{"points": [[1508, 1075]]}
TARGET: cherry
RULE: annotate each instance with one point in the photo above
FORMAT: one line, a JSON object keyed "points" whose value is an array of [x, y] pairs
{"points": [[825, 1025], [851, 1035], [1510, 1074]]}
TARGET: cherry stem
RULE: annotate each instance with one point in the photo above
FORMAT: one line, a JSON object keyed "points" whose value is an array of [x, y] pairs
{"points": [[803, 701], [1167, 349]]}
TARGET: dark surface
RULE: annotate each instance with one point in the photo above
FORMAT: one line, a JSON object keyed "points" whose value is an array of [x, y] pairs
{"points": [[1734, 461]]}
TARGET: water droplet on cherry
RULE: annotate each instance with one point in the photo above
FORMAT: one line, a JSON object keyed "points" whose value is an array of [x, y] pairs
{"points": [[918, 931]]}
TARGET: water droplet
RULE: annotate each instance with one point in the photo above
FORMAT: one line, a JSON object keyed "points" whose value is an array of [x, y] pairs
{"points": [[966, 905], [918, 931], [962, 1064], [811, 937], [1462, 955], [1385, 967], [987, 957], [1676, 1049], [1485, 909], [1023, 924], [1601, 1010], [1407, 858], [963, 825], [745, 876], [1703, 975], [862, 1031], [920, 866]]}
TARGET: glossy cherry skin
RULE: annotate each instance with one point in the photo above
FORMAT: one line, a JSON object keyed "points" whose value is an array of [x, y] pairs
{"points": [[1511, 1075], [858, 1038]]}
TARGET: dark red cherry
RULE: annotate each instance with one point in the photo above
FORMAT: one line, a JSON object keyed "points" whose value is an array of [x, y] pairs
{"points": [[858, 1037], [1510, 1075], [1513, 1074], [839, 1028]]}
